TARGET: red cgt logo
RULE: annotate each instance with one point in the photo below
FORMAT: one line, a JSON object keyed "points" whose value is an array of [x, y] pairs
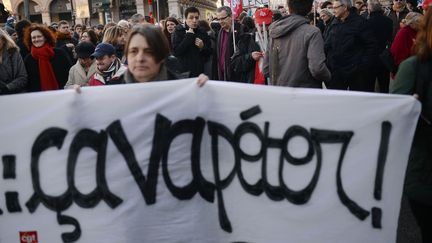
{"points": [[28, 237]]}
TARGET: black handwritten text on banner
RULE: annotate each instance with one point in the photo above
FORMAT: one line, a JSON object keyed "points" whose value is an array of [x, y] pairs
{"points": [[278, 156]]}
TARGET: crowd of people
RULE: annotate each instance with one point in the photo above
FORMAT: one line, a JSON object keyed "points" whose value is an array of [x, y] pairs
{"points": [[339, 45]]}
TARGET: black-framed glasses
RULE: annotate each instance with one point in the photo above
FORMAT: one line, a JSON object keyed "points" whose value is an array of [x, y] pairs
{"points": [[223, 18]]}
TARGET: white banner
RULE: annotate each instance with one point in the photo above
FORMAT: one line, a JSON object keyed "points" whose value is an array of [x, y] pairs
{"points": [[171, 162]]}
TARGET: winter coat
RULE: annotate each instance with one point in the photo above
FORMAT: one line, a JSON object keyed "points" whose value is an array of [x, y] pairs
{"points": [[97, 79], [396, 20], [402, 45], [62, 40], [229, 74], [351, 46], [295, 54], [418, 180], [189, 55], [77, 75], [243, 63], [60, 64], [12, 71], [381, 27]]}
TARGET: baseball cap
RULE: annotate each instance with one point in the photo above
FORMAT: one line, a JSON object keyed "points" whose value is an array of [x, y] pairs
{"points": [[103, 49], [84, 49], [263, 15]]}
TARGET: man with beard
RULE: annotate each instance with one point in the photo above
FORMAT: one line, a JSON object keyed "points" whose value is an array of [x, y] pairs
{"points": [[65, 40], [191, 44]]}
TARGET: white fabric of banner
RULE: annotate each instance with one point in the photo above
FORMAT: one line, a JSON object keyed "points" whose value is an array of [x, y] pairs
{"points": [[172, 162]]}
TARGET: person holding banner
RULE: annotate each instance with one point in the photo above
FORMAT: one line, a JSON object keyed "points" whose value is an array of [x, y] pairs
{"points": [[147, 54], [295, 56], [13, 76], [47, 66], [414, 77]]}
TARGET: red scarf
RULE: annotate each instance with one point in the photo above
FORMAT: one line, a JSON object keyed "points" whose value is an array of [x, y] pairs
{"points": [[43, 55]]}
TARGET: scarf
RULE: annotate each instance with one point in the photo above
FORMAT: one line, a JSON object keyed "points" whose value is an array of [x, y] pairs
{"points": [[111, 71], [43, 55]]}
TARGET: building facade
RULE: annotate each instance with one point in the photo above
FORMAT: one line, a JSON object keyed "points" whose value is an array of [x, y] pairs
{"points": [[93, 12]]}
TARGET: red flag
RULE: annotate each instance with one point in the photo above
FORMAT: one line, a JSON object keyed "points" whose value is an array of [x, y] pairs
{"points": [[236, 7]]}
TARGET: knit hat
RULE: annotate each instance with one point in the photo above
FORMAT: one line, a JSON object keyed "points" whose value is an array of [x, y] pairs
{"points": [[84, 49]]}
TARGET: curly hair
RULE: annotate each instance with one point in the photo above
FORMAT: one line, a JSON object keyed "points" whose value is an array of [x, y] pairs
{"points": [[93, 37], [49, 36]]}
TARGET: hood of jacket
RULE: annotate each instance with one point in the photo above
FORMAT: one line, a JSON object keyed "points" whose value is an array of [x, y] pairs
{"points": [[286, 25]]}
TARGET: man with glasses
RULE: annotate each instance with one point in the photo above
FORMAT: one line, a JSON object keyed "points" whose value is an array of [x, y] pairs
{"points": [[398, 12], [350, 49], [225, 44]]}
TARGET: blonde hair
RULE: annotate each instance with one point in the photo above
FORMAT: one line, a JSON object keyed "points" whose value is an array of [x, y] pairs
{"points": [[8, 42], [111, 35]]}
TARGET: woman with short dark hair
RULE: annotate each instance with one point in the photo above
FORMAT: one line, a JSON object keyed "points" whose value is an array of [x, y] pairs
{"points": [[147, 54]]}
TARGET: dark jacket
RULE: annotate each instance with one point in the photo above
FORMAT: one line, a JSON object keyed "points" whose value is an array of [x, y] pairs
{"points": [[229, 75], [189, 55], [22, 48], [62, 40], [418, 180], [381, 27], [243, 63], [60, 63], [351, 45], [396, 20], [12, 72]]}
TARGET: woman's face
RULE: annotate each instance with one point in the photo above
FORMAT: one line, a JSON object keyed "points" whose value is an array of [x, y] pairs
{"points": [[324, 17], [85, 37], [121, 40], [170, 26], [37, 38], [141, 62]]}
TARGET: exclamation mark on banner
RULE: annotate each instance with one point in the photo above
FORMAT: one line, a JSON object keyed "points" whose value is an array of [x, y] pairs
{"points": [[9, 168], [382, 157]]}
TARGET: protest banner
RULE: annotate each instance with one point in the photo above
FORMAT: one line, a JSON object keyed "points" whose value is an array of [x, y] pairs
{"points": [[172, 162]]}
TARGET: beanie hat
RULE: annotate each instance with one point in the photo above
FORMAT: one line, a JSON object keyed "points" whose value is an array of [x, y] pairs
{"points": [[84, 49]]}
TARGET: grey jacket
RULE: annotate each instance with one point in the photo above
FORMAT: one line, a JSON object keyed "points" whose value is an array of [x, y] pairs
{"points": [[12, 71], [295, 55]]}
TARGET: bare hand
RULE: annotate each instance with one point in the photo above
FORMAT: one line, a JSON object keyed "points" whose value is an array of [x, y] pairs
{"points": [[202, 79], [77, 88], [256, 55], [199, 43]]}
